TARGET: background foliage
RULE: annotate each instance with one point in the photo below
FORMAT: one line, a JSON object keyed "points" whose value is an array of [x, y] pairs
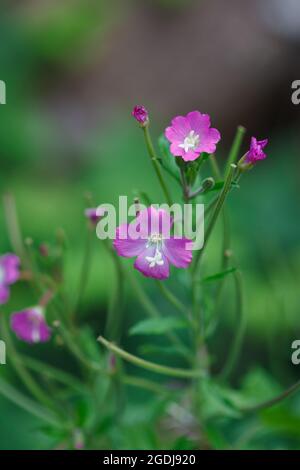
{"points": [[62, 133]]}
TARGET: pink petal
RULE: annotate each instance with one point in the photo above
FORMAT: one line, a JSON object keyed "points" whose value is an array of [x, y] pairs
{"points": [[198, 121], [176, 150], [177, 253], [11, 266], [172, 135], [263, 143], [191, 155], [181, 126], [30, 325], [214, 135], [153, 221], [157, 271], [126, 246], [208, 141]]}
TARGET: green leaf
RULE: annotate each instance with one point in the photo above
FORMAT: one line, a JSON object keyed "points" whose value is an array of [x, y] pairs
{"points": [[157, 326], [217, 402], [168, 161], [220, 275]]}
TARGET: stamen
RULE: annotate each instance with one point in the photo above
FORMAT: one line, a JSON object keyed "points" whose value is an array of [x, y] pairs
{"points": [[190, 142]]}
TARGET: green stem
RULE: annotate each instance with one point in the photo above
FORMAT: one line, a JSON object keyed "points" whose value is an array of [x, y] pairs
{"points": [[71, 344], [13, 227], [174, 372], [174, 300], [234, 152], [85, 269], [144, 384], [154, 313], [215, 167], [155, 164], [52, 372], [274, 401], [238, 338], [113, 323], [215, 214], [15, 396], [185, 186], [24, 375]]}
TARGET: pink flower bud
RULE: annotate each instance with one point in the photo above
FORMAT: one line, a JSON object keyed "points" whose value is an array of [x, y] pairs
{"points": [[141, 115]]}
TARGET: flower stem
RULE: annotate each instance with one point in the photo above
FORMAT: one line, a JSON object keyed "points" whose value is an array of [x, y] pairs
{"points": [[113, 322], [13, 227], [25, 376], [268, 403], [75, 350], [53, 373], [174, 300], [165, 370], [85, 269], [144, 384], [215, 214], [234, 151], [238, 338], [15, 396], [155, 164], [151, 309], [185, 186]]}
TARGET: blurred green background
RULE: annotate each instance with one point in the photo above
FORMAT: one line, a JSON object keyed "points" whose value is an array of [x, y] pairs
{"points": [[73, 71]]}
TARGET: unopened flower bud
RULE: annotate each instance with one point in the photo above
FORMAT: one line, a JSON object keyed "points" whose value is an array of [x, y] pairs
{"points": [[254, 154], [141, 115], [208, 184]]}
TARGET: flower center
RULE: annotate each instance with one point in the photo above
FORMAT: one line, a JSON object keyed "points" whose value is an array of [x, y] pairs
{"points": [[2, 275], [191, 142], [155, 239]]}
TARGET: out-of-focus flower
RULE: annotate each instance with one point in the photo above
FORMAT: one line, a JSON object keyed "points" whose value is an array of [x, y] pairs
{"points": [[94, 214], [140, 113], [78, 439], [148, 238], [256, 151], [9, 274], [30, 325], [191, 135], [44, 250]]}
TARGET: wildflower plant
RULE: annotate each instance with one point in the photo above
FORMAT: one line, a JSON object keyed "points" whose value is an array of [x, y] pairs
{"points": [[183, 398]]}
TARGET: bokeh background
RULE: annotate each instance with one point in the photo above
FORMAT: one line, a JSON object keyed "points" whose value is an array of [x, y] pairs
{"points": [[73, 70]]}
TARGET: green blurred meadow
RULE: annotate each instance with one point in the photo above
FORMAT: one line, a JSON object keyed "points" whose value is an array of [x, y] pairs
{"points": [[63, 134]]}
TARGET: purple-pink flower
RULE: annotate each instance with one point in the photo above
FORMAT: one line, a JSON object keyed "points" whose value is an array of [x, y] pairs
{"points": [[30, 325], [191, 135], [94, 214], [141, 115], [256, 151], [9, 274], [148, 239]]}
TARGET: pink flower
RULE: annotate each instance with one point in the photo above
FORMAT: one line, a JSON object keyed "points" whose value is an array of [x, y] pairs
{"points": [[140, 114], [191, 135], [9, 274], [30, 325], [148, 238], [256, 152], [94, 214]]}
